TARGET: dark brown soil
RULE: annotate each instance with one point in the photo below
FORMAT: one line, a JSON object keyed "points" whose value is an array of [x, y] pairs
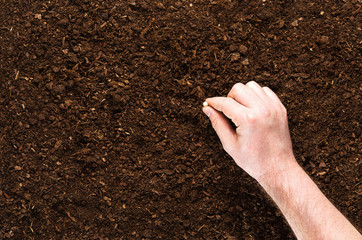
{"points": [[101, 130]]}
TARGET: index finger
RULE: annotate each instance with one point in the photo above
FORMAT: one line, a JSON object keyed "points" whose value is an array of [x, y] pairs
{"points": [[229, 107]]}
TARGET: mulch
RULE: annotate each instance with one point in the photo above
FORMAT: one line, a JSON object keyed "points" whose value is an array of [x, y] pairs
{"points": [[101, 130]]}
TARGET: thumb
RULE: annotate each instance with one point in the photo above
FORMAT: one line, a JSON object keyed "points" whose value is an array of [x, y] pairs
{"points": [[222, 127]]}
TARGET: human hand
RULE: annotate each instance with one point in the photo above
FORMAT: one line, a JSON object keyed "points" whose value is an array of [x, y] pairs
{"points": [[261, 143]]}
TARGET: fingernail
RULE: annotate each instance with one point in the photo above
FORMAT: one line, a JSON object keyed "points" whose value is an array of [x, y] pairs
{"points": [[207, 111]]}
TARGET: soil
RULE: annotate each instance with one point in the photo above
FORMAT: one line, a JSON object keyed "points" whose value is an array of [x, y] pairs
{"points": [[101, 130]]}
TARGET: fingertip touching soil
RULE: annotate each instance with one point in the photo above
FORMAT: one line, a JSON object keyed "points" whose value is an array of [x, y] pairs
{"points": [[101, 130]]}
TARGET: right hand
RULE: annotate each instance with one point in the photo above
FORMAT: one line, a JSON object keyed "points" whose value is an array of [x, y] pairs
{"points": [[261, 143]]}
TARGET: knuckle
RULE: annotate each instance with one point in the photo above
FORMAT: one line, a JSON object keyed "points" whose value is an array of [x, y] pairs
{"points": [[227, 147], [236, 87], [251, 83], [266, 88], [264, 112], [225, 104], [215, 122], [238, 84], [251, 117]]}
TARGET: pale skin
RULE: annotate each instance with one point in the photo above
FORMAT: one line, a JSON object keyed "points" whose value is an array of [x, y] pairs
{"points": [[261, 145]]}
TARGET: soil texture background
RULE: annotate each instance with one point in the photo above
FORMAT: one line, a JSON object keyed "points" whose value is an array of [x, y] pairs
{"points": [[101, 130]]}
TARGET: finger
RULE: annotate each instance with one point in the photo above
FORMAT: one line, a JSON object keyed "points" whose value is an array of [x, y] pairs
{"points": [[274, 98], [244, 95], [271, 95], [229, 107], [222, 127], [257, 89]]}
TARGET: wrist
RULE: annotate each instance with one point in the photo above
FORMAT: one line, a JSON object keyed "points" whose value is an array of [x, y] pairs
{"points": [[281, 173]]}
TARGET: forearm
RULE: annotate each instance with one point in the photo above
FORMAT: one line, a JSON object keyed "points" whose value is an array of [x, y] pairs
{"points": [[307, 210]]}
